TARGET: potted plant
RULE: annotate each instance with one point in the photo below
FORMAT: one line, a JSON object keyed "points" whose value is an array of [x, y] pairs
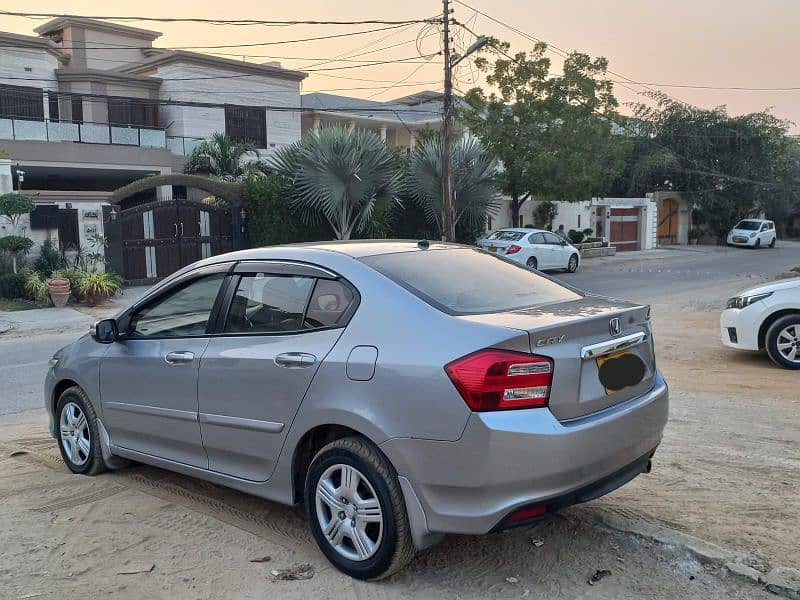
{"points": [[59, 290], [96, 287]]}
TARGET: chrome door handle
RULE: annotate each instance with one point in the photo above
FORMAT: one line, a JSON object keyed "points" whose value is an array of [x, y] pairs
{"points": [[180, 357], [295, 360], [176, 229]]}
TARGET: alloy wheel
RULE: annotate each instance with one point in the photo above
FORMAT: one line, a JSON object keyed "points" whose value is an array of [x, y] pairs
{"points": [[789, 343], [349, 512], [75, 435], [573, 264]]}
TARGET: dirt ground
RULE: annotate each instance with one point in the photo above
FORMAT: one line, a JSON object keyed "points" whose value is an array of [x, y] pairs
{"points": [[728, 471]]}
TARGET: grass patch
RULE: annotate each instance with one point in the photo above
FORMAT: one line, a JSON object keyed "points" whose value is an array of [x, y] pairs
{"points": [[13, 304]]}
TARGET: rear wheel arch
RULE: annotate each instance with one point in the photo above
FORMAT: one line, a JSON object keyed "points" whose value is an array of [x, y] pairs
{"points": [[311, 442], [762, 331]]}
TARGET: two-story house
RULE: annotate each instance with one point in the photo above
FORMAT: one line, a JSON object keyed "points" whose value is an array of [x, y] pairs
{"points": [[87, 106]]}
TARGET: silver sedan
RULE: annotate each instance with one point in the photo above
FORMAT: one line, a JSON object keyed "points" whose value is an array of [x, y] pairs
{"points": [[400, 390]]}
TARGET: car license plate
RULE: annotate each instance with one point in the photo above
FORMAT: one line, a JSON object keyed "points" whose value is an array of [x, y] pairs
{"points": [[492, 248], [620, 370]]}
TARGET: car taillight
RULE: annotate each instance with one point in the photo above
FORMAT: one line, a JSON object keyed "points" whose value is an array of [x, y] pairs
{"points": [[502, 380], [513, 249]]}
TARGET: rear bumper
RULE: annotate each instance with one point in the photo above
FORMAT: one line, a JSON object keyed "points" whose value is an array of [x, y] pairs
{"points": [[508, 460]]}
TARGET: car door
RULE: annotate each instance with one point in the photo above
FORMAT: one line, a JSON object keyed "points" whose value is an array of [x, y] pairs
{"points": [[281, 322], [539, 249], [556, 251], [148, 378]]}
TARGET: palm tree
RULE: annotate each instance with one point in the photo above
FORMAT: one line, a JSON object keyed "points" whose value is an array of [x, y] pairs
{"points": [[338, 175], [223, 158], [473, 181]]}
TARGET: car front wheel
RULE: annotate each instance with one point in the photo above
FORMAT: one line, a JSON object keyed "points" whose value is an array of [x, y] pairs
{"points": [[572, 265], [356, 510], [783, 342], [78, 438]]}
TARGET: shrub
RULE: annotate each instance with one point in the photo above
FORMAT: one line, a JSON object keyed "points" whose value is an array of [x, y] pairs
{"points": [[98, 286], [270, 219], [12, 285], [49, 259], [575, 236], [36, 287], [588, 232]]}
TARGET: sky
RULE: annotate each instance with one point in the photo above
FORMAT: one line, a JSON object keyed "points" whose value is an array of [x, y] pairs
{"points": [[733, 43]]}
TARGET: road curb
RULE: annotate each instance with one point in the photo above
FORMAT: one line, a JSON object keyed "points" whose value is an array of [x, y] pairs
{"points": [[782, 581]]}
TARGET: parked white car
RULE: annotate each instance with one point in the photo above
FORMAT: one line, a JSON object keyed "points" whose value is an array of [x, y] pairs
{"points": [[766, 317], [535, 248], [753, 233]]}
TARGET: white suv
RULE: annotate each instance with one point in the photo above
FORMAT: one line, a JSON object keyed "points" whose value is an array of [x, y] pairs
{"points": [[766, 317], [753, 233]]}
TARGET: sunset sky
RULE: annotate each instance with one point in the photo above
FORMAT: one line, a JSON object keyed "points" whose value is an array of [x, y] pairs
{"points": [[707, 42]]}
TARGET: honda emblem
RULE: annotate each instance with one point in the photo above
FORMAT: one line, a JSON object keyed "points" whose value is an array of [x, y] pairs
{"points": [[614, 327]]}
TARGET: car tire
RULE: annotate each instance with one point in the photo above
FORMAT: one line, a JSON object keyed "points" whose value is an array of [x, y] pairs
{"points": [[78, 436], [757, 245], [532, 263], [572, 265], [772, 243], [386, 545], [783, 331]]}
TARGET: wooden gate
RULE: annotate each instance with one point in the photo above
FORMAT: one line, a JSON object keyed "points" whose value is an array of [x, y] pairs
{"points": [[624, 227], [161, 237], [668, 222]]}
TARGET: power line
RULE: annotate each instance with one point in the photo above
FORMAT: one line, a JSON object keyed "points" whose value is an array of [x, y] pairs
{"points": [[244, 22], [251, 45], [717, 87]]}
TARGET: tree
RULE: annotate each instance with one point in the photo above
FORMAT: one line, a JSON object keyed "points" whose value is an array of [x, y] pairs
{"points": [[728, 167], [552, 134], [474, 190], [338, 175], [223, 158], [13, 206]]}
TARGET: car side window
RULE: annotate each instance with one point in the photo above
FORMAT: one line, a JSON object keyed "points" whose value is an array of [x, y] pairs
{"points": [[265, 303], [536, 238], [182, 312], [552, 238], [330, 304]]}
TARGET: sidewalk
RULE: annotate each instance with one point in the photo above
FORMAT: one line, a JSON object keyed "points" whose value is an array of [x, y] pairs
{"points": [[71, 318]]}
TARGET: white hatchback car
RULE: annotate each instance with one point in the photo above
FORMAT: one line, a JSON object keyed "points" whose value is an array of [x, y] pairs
{"points": [[753, 233], [535, 248], [766, 317]]}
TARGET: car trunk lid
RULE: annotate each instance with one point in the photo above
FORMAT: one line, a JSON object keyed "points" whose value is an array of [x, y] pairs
{"points": [[602, 350]]}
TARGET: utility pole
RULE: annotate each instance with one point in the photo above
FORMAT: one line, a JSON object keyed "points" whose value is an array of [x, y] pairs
{"points": [[448, 230]]}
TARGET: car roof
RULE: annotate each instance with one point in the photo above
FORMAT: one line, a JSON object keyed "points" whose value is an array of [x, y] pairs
{"points": [[353, 248], [522, 230], [753, 219]]}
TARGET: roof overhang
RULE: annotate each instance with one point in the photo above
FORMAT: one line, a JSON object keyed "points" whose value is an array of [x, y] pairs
{"points": [[216, 62], [27, 41], [151, 83], [66, 21]]}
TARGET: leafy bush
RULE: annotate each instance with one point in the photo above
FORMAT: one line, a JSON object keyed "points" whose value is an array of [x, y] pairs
{"points": [[588, 232], [16, 246], [270, 218], [12, 285], [49, 259], [98, 286], [575, 236], [36, 287]]}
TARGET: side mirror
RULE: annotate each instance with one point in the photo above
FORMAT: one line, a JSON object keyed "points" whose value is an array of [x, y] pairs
{"points": [[563, 242], [106, 331]]}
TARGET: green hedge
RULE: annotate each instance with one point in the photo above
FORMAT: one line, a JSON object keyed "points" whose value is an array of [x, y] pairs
{"points": [[269, 217], [12, 285]]}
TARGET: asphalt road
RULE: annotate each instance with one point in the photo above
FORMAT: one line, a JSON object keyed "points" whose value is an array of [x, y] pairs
{"points": [[674, 275]]}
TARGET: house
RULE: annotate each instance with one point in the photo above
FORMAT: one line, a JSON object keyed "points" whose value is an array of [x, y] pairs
{"points": [[88, 106]]}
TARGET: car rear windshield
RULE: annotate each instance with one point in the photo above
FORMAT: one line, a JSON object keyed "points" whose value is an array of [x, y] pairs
{"points": [[468, 281], [506, 236], [749, 225]]}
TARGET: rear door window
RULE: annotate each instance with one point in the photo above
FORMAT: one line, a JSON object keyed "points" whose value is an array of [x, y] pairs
{"points": [[266, 303], [468, 281], [536, 238], [330, 304]]}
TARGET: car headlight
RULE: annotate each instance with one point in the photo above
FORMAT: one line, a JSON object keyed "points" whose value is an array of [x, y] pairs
{"points": [[745, 301], [752, 235]]}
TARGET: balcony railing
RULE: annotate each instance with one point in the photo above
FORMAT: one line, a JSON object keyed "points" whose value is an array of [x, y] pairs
{"points": [[88, 133]]}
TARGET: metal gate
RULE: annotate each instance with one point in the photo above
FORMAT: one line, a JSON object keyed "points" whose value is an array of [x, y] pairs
{"points": [[161, 237], [624, 225]]}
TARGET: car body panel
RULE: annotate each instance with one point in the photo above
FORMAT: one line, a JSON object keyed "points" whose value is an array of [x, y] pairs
{"points": [[461, 470]]}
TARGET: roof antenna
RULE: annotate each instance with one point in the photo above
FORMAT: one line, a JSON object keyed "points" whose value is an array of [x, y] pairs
{"points": [[423, 244]]}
